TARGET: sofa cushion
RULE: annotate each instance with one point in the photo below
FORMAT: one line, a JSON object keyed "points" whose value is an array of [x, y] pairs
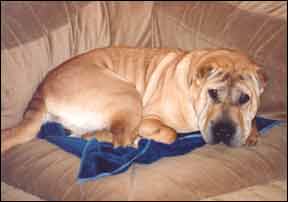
{"points": [[50, 173], [10, 193], [272, 191]]}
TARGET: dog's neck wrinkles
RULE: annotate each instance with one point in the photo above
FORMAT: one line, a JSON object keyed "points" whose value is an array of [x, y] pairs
{"points": [[163, 73], [154, 70]]}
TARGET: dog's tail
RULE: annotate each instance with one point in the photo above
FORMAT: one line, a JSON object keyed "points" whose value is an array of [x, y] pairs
{"points": [[28, 128]]}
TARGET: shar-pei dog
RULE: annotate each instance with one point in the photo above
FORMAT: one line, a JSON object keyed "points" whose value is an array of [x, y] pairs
{"points": [[125, 93]]}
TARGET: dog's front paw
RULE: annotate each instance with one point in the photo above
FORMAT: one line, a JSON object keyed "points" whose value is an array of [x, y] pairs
{"points": [[154, 129], [163, 135], [251, 140]]}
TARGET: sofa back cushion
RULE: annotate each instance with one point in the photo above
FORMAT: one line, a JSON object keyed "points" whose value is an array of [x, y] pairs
{"points": [[38, 36]]}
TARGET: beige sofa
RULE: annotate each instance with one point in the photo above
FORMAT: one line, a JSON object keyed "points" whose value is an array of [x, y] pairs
{"points": [[37, 36]]}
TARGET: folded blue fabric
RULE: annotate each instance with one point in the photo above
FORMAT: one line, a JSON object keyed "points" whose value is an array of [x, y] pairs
{"points": [[99, 159]]}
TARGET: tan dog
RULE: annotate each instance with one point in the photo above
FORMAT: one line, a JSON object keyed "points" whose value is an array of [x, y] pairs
{"points": [[152, 93]]}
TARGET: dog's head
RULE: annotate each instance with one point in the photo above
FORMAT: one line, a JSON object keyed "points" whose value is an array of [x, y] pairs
{"points": [[225, 88]]}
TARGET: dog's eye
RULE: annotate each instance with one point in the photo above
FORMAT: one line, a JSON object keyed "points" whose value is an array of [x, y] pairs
{"points": [[243, 98], [213, 94]]}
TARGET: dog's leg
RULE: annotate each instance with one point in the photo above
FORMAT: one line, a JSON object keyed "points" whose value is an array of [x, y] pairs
{"points": [[124, 131], [102, 136], [154, 129], [27, 129], [253, 137]]}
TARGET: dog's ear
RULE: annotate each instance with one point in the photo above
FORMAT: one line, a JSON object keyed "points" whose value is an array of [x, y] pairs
{"points": [[203, 71], [262, 79], [199, 67], [200, 73]]}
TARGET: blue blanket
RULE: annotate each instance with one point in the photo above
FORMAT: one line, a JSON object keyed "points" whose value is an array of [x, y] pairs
{"points": [[99, 159]]}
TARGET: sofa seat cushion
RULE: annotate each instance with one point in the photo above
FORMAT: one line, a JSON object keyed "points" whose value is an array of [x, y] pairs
{"points": [[10, 193], [45, 170], [275, 190]]}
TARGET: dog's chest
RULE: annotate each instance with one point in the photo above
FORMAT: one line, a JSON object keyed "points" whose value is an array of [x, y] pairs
{"points": [[78, 120]]}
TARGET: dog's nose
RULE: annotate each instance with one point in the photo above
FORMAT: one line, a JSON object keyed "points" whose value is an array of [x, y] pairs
{"points": [[223, 131]]}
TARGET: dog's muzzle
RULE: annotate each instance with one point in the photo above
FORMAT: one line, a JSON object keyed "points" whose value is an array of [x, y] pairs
{"points": [[223, 131]]}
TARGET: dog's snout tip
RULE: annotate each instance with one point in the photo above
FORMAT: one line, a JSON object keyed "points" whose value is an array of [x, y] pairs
{"points": [[223, 131]]}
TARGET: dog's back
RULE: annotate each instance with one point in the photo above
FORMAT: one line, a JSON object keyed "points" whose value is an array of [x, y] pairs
{"points": [[129, 64]]}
